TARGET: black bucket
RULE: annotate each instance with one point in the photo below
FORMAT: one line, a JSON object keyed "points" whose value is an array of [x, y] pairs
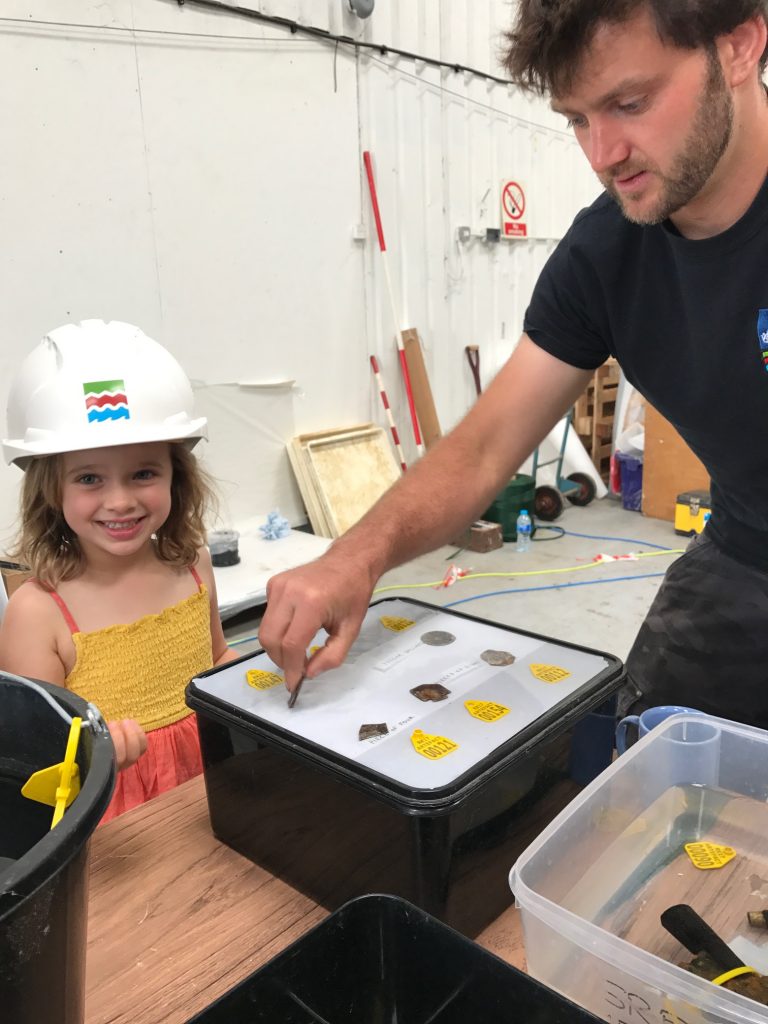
{"points": [[379, 958], [43, 871]]}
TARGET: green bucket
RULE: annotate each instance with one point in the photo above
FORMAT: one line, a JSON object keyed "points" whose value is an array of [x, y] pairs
{"points": [[519, 493]]}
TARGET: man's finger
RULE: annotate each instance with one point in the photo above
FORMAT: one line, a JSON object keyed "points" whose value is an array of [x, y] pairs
{"points": [[276, 620], [334, 650], [294, 661], [276, 634], [286, 635]]}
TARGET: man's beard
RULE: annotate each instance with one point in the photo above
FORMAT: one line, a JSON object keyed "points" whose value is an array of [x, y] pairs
{"points": [[704, 146]]}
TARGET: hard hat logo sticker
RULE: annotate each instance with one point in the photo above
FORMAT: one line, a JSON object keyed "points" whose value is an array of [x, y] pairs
{"points": [[106, 400]]}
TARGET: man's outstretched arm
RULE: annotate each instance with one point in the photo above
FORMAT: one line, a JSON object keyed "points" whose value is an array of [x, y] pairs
{"points": [[435, 500]]}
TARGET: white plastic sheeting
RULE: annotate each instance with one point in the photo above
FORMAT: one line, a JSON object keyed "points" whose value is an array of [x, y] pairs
{"points": [[575, 459]]}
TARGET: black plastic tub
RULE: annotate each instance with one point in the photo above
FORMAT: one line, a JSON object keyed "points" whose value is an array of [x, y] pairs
{"points": [[44, 871], [336, 827], [380, 960]]}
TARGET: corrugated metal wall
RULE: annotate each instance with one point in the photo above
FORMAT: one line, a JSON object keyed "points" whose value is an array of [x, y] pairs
{"points": [[200, 174], [443, 143]]}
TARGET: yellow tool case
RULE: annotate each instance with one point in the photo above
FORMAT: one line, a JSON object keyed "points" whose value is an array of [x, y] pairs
{"points": [[692, 510]]}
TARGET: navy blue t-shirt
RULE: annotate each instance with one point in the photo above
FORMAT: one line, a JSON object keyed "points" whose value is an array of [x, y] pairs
{"points": [[688, 323]]}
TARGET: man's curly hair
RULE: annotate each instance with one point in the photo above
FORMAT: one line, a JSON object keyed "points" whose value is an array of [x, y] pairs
{"points": [[547, 41]]}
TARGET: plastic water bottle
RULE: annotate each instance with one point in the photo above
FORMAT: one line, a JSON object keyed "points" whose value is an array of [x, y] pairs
{"points": [[523, 526]]}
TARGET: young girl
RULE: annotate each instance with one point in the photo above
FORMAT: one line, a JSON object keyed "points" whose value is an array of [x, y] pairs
{"points": [[121, 607]]}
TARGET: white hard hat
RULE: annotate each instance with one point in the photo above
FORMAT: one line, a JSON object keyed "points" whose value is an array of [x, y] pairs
{"points": [[95, 385]]}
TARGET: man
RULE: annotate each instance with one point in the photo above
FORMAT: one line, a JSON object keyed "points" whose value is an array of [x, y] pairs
{"points": [[668, 271]]}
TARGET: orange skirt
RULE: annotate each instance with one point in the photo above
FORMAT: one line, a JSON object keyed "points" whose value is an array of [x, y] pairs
{"points": [[172, 756]]}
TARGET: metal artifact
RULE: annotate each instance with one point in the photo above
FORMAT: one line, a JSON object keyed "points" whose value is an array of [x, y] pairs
{"points": [[430, 691]]}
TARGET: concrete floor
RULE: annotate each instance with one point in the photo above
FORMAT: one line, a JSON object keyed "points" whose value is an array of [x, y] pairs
{"points": [[602, 615]]}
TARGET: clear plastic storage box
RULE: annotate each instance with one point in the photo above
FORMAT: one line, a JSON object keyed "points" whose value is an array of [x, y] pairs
{"points": [[593, 885]]}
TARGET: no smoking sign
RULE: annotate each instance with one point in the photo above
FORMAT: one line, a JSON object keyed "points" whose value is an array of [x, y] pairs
{"points": [[513, 224]]}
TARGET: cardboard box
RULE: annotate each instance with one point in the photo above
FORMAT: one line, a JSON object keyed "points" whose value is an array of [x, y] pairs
{"points": [[669, 467], [13, 576]]}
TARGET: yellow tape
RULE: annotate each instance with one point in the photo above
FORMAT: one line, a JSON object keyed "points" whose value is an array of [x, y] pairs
{"points": [[735, 973]]}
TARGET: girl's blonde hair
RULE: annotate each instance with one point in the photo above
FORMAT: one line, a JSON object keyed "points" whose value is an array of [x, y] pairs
{"points": [[47, 546]]}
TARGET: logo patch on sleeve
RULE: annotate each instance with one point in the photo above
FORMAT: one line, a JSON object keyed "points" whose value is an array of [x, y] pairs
{"points": [[762, 335]]}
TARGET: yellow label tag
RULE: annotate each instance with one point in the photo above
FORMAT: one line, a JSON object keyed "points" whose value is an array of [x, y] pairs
{"points": [[261, 680], [706, 856], [549, 673], [395, 623], [315, 647], [486, 710], [433, 747]]}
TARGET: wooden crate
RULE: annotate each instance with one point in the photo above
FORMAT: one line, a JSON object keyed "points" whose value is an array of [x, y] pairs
{"points": [[669, 467], [594, 413], [341, 473]]}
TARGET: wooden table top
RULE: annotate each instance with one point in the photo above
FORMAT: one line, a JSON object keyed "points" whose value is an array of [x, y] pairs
{"points": [[176, 918]]}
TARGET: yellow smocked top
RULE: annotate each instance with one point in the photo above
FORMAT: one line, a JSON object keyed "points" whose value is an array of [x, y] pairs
{"points": [[140, 670]]}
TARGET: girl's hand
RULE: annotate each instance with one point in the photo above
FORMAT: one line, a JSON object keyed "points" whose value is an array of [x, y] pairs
{"points": [[130, 742]]}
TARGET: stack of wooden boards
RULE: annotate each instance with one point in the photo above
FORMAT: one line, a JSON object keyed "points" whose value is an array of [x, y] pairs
{"points": [[593, 416], [341, 473]]}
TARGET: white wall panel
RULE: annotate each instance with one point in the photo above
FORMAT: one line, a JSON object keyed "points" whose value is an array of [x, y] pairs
{"points": [[474, 293], [201, 175]]}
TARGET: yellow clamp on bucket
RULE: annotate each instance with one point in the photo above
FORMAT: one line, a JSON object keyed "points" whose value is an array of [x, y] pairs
{"points": [[58, 785]]}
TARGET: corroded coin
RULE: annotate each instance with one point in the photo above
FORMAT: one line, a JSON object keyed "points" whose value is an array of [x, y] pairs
{"points": [[498, 657], [372, 729], [437, 638], [430, 691]]}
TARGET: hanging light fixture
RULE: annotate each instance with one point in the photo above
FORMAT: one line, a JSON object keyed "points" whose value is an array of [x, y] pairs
{"points": [[362, 8]]}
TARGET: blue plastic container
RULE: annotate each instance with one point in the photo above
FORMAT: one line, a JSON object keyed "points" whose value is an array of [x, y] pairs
{"points": [[593, 743], [631, 475]]}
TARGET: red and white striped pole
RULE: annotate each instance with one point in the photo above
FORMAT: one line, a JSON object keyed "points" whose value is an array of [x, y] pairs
{"points": [[398, 326], [390, 418]]}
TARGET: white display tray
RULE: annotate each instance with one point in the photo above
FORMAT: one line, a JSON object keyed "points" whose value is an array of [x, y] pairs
{"points": [[373, 686]]}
